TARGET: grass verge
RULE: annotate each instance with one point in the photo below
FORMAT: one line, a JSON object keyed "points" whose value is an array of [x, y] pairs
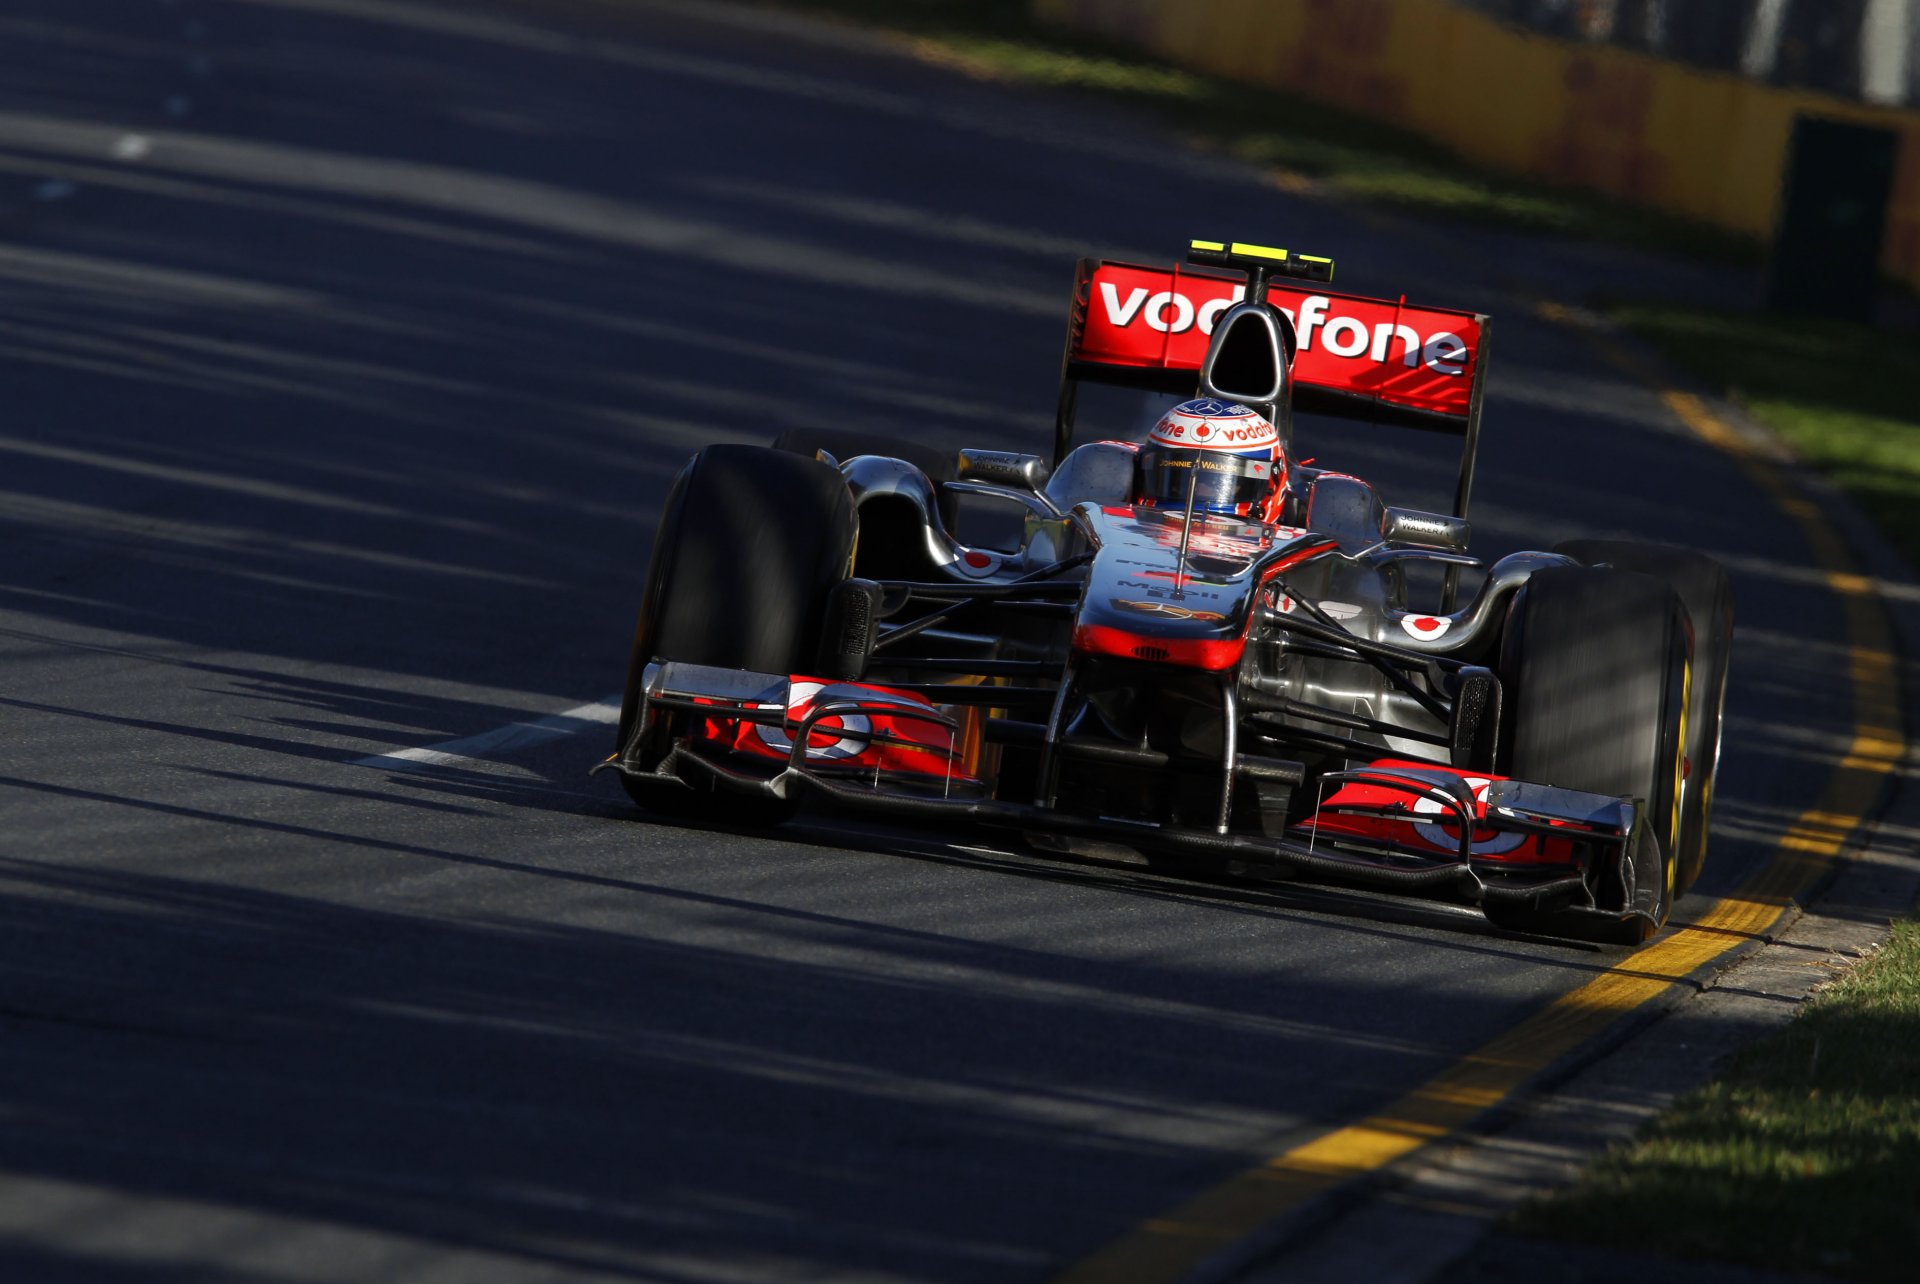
{"points": [[1319, 148], [1805, 1156], [1842, 394]]}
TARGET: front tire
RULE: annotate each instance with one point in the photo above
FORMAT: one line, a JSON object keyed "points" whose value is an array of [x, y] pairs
{"points": [[1597, 664], [750, 542], [1704, 588]]}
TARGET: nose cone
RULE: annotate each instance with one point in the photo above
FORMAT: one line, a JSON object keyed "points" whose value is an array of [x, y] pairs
{"points": [[1144, 601]]}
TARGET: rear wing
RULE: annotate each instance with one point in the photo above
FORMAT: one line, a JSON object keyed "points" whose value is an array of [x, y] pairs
{"points": [[1380, 360]]}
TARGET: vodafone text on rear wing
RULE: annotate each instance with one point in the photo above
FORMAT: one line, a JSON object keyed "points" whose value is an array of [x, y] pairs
{"points": [[1380, 360]]}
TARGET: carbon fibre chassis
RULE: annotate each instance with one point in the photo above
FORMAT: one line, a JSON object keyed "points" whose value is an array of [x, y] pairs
{"points": [[1606, 833]]}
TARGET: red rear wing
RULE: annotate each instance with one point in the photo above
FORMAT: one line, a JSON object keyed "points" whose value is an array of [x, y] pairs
{"points": [[1385, 352], [1382, 360]]}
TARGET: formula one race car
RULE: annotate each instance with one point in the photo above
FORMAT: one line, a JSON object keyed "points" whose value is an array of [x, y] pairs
{"points": [[1194, 647]]}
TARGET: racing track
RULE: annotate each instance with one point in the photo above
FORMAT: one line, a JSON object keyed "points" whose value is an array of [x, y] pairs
{"points": [[348, 346]]}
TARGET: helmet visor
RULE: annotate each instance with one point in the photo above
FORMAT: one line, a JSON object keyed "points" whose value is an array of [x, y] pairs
{"points": [[1213, 481]]}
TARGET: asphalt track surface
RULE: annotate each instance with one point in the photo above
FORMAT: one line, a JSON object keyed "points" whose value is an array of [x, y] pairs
{"points": [[347, 348]]}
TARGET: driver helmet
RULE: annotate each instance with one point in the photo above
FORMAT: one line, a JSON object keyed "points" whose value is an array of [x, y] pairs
{"points": [[1226, 456]]}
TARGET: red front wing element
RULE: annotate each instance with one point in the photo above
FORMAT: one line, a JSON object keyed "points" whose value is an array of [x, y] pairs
{"points": [[863, 728], [1157, 318], [1427, 822]]}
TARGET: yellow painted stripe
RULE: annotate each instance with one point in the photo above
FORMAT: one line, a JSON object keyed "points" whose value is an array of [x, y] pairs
{"points": [[1173, 1244], [1209, 245]]}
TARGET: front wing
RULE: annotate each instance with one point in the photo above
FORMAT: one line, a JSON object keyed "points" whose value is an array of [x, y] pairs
{"points": [[1394, 823]]}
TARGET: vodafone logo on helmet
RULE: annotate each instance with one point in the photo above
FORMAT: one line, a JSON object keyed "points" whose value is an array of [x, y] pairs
{"points": [[1173, 312], [1214, 425]]}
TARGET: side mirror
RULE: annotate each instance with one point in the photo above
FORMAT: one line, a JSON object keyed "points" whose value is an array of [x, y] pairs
{"points": [[1431, 530], [1002, 468]]}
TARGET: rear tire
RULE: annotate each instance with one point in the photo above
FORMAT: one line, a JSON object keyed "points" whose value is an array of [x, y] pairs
{"points": [[1596, 666], [750, 542], [1705, 590]]}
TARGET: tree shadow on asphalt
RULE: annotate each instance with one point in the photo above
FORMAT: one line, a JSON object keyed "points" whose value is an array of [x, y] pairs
{"points": [[339, 417], [410, 409], [608, 1100]]}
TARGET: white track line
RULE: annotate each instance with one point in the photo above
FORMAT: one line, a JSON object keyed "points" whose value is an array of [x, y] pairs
{"points": [[501, 740]]}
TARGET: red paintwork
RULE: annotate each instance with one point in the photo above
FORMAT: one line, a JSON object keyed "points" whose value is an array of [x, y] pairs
{"points": [[1433, 832], [1168, 326], [836, 741], [1221, 651], [1191, 653]]}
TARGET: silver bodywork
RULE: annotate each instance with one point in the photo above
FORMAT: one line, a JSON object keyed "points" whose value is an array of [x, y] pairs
{"points": [[1357, 585], [1201, 685]]}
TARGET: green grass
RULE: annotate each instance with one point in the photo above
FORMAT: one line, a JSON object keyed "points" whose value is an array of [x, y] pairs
{"points": [[1319, 148], [1843, 394], [1805, 1156]]}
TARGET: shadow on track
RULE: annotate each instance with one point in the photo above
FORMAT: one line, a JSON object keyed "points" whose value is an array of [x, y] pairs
{"points": [[349, 346], [555, 1093]]}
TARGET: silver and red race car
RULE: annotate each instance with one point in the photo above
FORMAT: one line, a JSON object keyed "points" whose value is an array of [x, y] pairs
{"points": [[1193, 647]]}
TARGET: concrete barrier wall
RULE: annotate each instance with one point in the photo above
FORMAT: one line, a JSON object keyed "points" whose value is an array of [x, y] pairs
{"points": [[1696, 143]]}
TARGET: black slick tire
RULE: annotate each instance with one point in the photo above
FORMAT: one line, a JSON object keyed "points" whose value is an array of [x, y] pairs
{"points": [[1706, 591], [1596, 665], [750, 542]]}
